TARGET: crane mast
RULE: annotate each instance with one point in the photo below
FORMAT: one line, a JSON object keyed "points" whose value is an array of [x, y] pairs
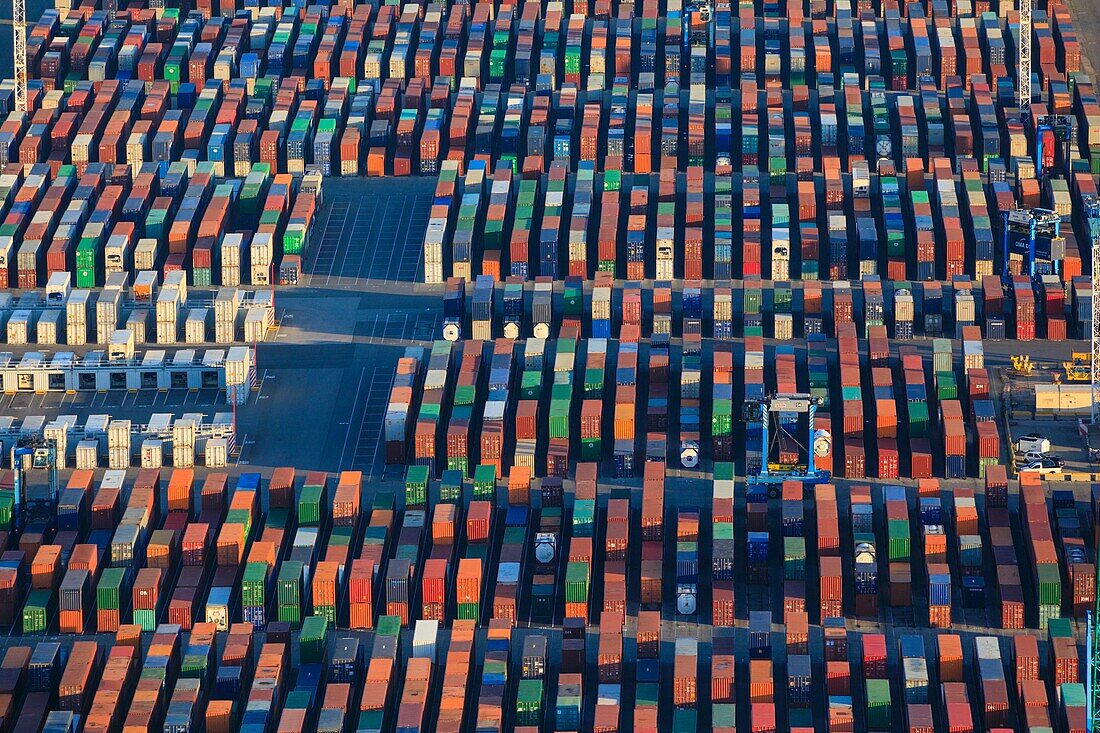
{"points": [[1024, 71], [19, 37]]}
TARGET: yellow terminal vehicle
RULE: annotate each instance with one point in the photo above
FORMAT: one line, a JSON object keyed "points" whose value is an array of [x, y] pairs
{"points": [[1079, 367]]}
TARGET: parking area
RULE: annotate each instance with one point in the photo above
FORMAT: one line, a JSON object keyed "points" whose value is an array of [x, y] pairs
{"points": [[1066, 441], [371, 233]]}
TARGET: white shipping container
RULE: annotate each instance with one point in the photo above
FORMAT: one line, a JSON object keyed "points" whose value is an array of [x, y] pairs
{"points": [[903, 305], [118, 458], [238, 365], [177, 280], [152, 453], [395, 421], [19, 327], [255, 324], [167, 332], [108, 310], [183, 433], [525, 453], [232, 245], [76, 318], [227, 303], [49, 324], [781, 269], [183, 456], [965, 310], [58, 432], [195, 327], [482, 330], [136, 145], [121, 347], [118, 434], [425, 634], [784, 326], [117, 281], [136, 323], [87, 455], [217, 453], [145, 254], [723, 305], [116, 253], [58, 288], [225, 332], [217, 608], [260, 275], [433, 273], [168, 306], [261, 249], [231, 274]]}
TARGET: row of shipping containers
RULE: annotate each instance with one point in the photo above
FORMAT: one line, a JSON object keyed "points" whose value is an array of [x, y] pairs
{"points": [[483, 409], [99, 221], [193, 123], [920, 225], [395, 90], [1020, 309], [460, 565]]}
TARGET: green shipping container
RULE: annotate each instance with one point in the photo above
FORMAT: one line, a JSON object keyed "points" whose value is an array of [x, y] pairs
{"points": [[468, 612], [7, 509], [647, 695], [576, 582], [289, 614], [35, 612], [724, 715], [794, 557], [946, 387], [290, 583], [108, 593], [485, 482], [591, 449], [529, 702], [685, 720], [194, 666], [530, 385], [918, 419], [389, 626], [1049, 582], [584, 513], [1060, 628], [722, 419], [465, 394], [559, 418], [240, 516], [416, 486], [460, 464], [254, 584], [878, 705], [370, 721], [1072, 694], [450, 487], [310, 506], [314, 633], [146, 619], [752, 301]]}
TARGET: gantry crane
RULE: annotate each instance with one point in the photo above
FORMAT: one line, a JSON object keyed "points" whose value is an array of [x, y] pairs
{"points": [[19, 38], [1024, 67]]}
